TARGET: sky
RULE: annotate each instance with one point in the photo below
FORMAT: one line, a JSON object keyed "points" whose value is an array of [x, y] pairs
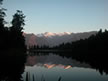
{"points": [[60, 15]]}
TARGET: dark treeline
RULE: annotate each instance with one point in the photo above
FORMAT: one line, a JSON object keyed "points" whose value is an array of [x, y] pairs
{"points": [[37, 47], [95, 43], [11, 36], [12, 46]]}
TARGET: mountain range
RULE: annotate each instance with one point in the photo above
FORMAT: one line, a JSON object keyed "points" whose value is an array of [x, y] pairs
{"points": [[54, 39]]}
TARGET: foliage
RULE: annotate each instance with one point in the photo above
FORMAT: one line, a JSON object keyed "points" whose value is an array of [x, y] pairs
{"points": [[12, 37], [16, 33], [18, 21]]}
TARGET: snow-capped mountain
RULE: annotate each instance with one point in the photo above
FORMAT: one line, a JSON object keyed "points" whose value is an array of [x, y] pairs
{"points": [[53, 39], [50, 34]]}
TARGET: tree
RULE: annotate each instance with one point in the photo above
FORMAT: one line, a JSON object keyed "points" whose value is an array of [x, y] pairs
{"points": [[12, 37], [2, 15], [16, 33], [18, 21], [3, 30]]}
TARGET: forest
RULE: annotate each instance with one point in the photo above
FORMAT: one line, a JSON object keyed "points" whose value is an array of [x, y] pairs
{"points": [[11, 36]]}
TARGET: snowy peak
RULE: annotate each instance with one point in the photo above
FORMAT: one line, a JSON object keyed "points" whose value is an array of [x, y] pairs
{"points": [[50, 34]]}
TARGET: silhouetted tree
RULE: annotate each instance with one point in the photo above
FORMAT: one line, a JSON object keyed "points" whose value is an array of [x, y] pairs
{"points": [[2, 15], [16, 32], [12, 37], [18, 21], [3, 29]]}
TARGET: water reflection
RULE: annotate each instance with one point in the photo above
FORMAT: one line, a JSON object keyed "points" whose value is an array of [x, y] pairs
{"points": [[52, 60], [53, 67]]}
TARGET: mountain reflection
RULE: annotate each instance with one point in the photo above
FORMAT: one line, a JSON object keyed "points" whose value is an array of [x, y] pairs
{"points": [[51, 60], [59, 65]]}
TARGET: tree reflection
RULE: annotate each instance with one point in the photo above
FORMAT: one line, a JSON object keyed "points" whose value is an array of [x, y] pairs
{"points": [[97, 63]]}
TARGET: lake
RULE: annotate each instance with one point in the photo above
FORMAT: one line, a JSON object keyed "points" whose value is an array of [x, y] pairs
{"points": [[54, 67]]}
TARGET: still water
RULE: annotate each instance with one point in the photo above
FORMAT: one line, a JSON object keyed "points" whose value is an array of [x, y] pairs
{"points": [[53, 67]]}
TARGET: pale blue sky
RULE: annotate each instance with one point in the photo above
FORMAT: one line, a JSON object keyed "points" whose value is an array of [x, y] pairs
{"points": [[60, 15]]}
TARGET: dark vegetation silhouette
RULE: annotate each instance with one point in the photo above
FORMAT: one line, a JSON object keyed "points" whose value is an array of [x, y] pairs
{"points": [[95, 43], [12, 65], [37, 47], [12, 46], [12, 36]]}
